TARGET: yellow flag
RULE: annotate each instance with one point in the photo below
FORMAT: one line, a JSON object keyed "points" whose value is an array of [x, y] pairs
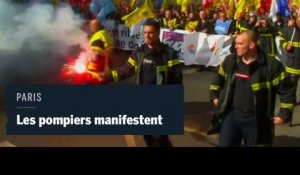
{"points": [[185, 4], [230, 9], [145, 11], [132, 4], [246, 6], [296, 3], [252, 5], [240, 6], [218, 3], [179, 2], [165, 4], [257, 4]]}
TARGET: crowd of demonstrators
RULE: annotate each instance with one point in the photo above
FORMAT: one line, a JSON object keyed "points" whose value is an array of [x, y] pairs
{"points": [[249, 63], [215, 21], [193, 18], [210, 21]]}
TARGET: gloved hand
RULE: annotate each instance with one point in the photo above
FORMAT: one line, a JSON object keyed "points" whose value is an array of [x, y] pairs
{"points": [[99, 76]]}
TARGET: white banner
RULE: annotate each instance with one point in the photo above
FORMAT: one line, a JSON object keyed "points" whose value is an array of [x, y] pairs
{"points": [[193, 48], [221, 48], [121, 36], [198, 48]]}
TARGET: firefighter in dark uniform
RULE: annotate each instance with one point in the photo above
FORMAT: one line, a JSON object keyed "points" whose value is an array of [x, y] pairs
{"points": [[290, 41], [279, 24], [153, 63], [244, 91], [241, 24], [267, 35], [101, 46]]}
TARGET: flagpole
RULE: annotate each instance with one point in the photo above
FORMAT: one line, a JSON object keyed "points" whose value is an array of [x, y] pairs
{"points": [[293, 35], [292, 38]]}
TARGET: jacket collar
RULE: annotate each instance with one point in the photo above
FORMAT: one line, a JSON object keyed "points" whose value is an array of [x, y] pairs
{"points": [[159, 48], [261, 57]]}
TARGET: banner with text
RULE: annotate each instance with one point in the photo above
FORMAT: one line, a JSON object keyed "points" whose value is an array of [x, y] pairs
{"points": [[174, 40], [192, 48], [121, 36], [198, 48]]}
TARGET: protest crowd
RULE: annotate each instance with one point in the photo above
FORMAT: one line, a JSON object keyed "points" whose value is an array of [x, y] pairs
{"points": [[211, 16], [269, 19], [217, 17]]}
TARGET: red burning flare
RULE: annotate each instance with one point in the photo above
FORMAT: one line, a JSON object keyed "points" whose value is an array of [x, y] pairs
{"points": [[76, 72], [80, 67]]}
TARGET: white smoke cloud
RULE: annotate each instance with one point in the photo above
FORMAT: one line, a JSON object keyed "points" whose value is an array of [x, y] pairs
{"points": [[35, 38]]}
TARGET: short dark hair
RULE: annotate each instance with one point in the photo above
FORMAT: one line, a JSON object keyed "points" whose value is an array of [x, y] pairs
{"points": [[153, 23], [252, 34]]}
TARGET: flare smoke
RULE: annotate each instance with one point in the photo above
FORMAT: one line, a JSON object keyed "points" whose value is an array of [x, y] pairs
{"points": [[34, 39]]}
